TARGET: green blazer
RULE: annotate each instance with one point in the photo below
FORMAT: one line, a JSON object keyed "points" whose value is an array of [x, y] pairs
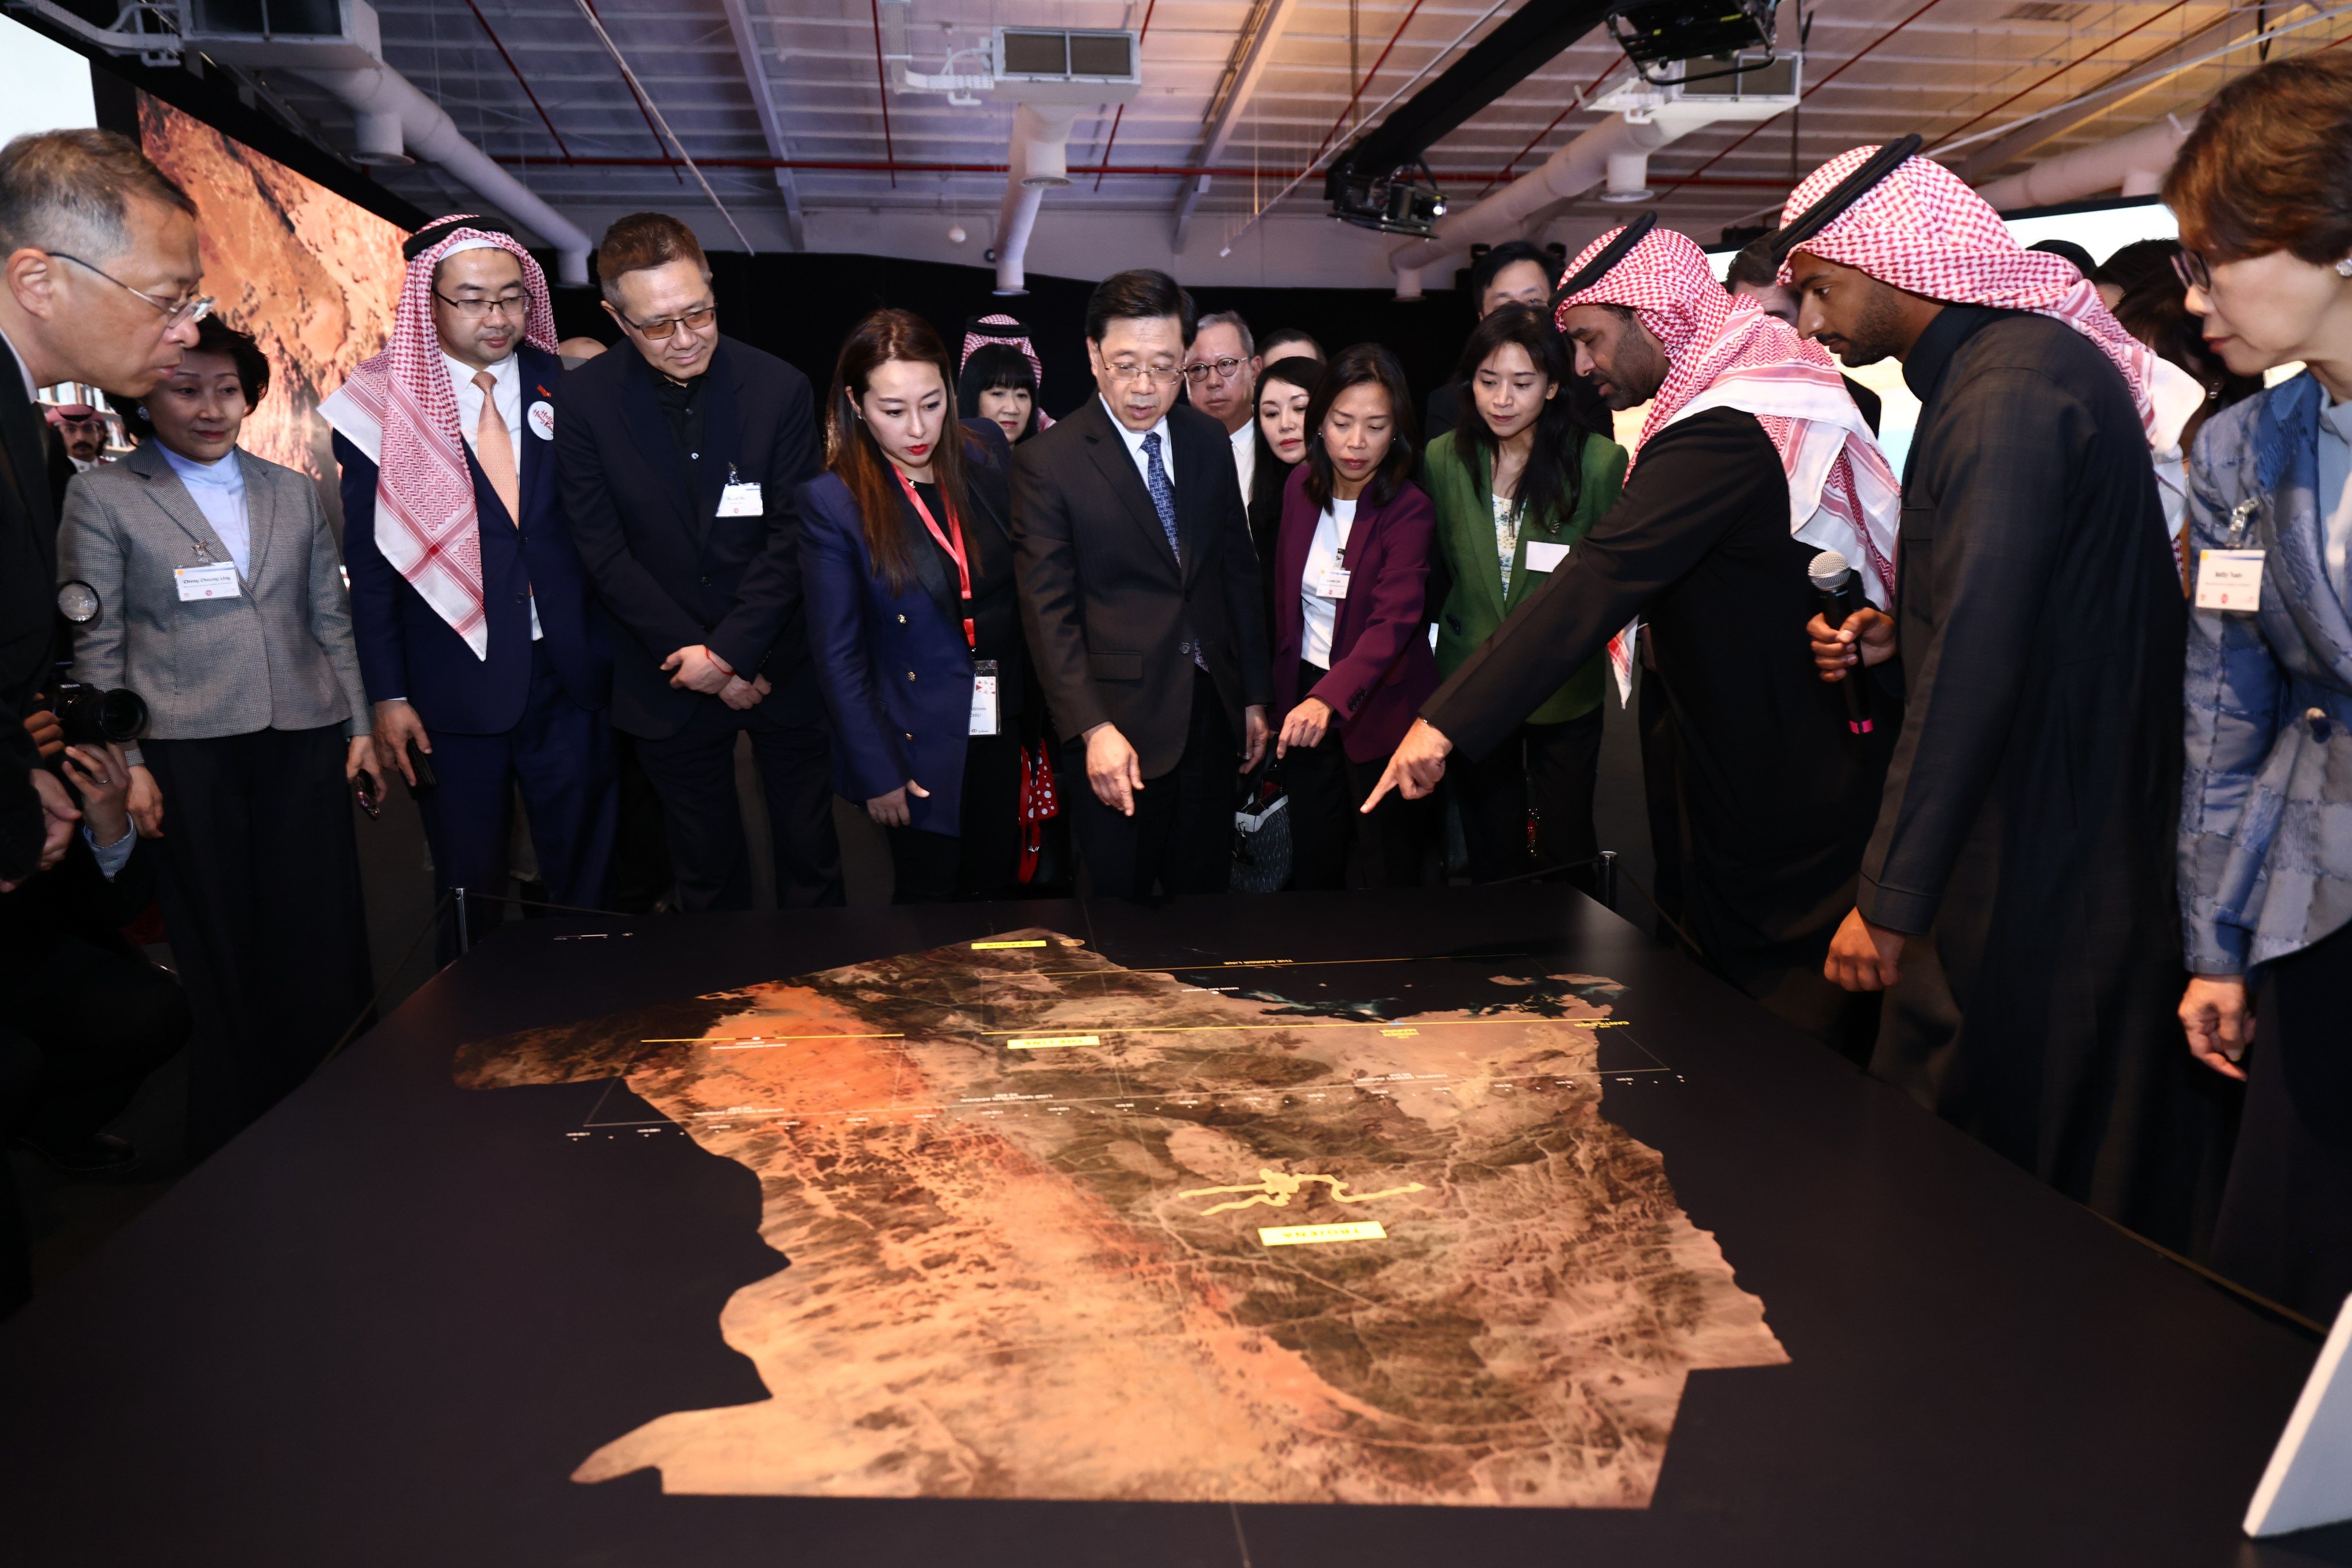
{"points": [[1475, 603]]}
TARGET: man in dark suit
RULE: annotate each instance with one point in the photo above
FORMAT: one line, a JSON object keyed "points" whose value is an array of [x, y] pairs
{"points": [[517, 697], [1139, 589], [678, 464], [98, 284]]}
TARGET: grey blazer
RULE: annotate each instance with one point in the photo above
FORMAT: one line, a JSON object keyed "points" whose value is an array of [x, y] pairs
{"points": [[279, 656]]}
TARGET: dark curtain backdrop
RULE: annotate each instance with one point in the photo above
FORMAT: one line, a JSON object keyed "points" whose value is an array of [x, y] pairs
{"points": [[800, 307]]}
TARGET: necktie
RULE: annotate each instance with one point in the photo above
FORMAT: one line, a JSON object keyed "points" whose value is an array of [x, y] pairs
{"points": [[494, 448], [1163, 494]]}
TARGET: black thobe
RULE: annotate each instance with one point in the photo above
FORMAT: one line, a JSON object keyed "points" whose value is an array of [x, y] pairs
{"points": [[2027, 829], [1775, 794]]}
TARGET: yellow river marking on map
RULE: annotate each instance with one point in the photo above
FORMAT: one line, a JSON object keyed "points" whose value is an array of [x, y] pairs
{"points": [[1275, 1189]]}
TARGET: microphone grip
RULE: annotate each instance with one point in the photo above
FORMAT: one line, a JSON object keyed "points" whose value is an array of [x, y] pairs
{"points": [[1836, 605]]}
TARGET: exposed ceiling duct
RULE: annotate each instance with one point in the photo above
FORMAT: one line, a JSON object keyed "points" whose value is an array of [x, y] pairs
{"points": [[1054, 74], [2133, 163], [1614, 154], [1040, 160]]}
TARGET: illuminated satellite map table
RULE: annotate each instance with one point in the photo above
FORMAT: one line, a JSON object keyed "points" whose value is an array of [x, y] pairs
{"points": [[1380, 1229]]}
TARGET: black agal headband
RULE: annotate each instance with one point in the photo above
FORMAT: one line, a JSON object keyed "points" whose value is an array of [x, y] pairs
{"points": [[1850, 189], [433, 233], [1615, 251]]}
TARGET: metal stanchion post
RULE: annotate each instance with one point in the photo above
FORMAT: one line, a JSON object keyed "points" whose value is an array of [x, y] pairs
{"points": [[465, 932], [1609, 877]]}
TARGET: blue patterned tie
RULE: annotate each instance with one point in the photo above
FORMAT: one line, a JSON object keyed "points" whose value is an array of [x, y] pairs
{"points": [[1163, 494]]}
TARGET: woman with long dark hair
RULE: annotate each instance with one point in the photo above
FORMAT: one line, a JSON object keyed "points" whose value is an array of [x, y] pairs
{"points": [[914, 620], [1351, 661], [1515, 486], [1280, 406], [2263, 189]]}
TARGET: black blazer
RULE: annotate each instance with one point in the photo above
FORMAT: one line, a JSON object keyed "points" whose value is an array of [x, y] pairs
{"points": [[1112, 621], [669, 570], [28, 578]]}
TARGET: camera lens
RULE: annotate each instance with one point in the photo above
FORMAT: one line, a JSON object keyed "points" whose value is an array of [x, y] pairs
{"points": [[121, 714]]}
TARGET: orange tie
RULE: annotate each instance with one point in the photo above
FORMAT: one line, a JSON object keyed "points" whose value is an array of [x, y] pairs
{"points": [[494, 448]]}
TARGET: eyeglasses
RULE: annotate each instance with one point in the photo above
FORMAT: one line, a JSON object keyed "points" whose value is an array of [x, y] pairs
{"points": [[2191, 269], [693, 320], [1223, 369], [1158, 376], [474, 310], [177, 313]]}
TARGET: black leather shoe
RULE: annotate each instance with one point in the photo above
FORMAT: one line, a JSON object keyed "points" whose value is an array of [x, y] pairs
{"points": [[99, 1156]]}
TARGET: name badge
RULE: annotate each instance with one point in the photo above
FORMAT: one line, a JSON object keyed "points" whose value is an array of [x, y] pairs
{"points": [[741, 498], [1332, 584], [217, 580], [540, 417], [2229, 579], [983, 697], [1545, 557]]}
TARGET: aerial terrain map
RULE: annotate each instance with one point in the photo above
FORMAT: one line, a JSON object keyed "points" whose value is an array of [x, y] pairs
{"points": [[1057, 1228]]}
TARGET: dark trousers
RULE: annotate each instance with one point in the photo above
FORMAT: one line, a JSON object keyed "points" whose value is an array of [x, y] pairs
{"points": [[1554, 768], [20, 1070], [260, 887], [981, 860], [1325, 789], [693, 771], [640, 877], [103, 1018], [561, 755], [1181, 838], [2286, 1226]]}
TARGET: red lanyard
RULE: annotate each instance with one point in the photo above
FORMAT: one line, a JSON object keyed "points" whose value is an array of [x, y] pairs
{"points": [[952, 543]]}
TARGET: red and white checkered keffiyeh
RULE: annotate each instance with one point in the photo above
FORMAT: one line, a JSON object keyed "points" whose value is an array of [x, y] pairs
{"points": [[1016, 336], [1725, 352], [399, 408], [1923, 230]]}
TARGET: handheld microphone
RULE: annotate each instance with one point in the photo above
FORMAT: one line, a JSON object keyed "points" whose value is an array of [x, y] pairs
{"points": [[1839, 593]]}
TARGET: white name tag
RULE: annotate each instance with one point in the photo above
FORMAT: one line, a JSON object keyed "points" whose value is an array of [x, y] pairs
{"points": [[216, 581], [1544, 557], [2226, 579], [542, 420], [1332, 584], [741, 500], [983, 697]]}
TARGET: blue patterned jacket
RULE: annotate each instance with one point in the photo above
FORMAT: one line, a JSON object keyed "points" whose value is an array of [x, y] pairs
{"points": [[2267, 806]]}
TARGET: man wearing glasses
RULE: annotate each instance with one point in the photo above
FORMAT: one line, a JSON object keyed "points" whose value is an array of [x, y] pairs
{"points": [[468, 602], [1139, 589], [1220, 381], [678, 462], [98, 278]]}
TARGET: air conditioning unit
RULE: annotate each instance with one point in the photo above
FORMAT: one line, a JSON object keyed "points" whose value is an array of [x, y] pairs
{"points": [[298, 34], [1065, 65]]}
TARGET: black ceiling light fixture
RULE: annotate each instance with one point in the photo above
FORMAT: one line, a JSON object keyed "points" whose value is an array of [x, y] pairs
{"points": [[1659, 34]]}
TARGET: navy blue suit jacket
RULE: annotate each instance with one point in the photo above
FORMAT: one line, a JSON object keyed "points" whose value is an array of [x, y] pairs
{"points": [[407, 650], [862, 634], [670, 571]]}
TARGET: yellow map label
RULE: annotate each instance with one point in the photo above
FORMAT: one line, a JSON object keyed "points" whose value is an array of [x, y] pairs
{"points": [[1309, 1234], [1050, 1042], [992, 946]]}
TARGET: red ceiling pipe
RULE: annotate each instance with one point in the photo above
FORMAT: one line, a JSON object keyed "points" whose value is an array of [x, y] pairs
{"points": [[2079, 59], [667, 162], [882, 83], [1141, 33], [519, 79]]}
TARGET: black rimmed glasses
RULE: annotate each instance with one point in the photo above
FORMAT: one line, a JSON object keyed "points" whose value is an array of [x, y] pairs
{"points": [[177, 313], [693, 320], [2191, 269], [514, 305], [1223, 369]]}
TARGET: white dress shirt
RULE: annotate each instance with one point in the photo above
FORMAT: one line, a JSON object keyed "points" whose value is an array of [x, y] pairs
{"points": [[219, 490], [1326, 553], [1244, 442], [507, 385], [1134, 439]]}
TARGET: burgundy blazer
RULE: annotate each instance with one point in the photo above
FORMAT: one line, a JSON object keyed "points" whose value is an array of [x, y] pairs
{"points": [[1381, 668]]}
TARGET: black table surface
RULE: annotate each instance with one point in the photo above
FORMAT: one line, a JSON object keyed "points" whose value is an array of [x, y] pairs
{"points": [[384, 1325]]}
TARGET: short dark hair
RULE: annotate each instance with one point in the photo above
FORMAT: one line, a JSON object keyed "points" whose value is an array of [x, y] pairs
{"points": [[2069, 250], [1140, 293], [1754, 265], [2269, 166], [991, 367], [214, 336], [65, 190], [641, 240], [1281, 335], [1364, 364], [1510, 253], [2137, 262]]}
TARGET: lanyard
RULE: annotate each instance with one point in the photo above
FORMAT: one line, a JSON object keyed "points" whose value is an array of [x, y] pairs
{"points": [[952, 543]]}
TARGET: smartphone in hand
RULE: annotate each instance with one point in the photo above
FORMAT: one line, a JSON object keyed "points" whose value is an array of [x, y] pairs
{"points": [[422, 766]]}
